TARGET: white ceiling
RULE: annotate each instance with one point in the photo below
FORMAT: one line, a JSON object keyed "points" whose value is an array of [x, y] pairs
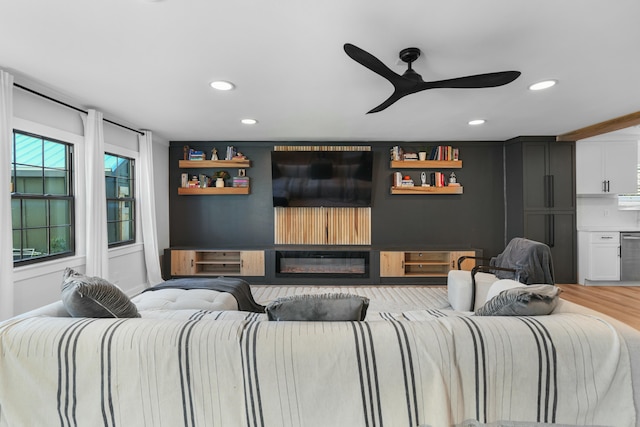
{"points": [[148, 64]]}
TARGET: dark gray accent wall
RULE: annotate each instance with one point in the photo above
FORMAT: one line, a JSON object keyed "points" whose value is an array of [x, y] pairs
{"points": [[474, 219]]}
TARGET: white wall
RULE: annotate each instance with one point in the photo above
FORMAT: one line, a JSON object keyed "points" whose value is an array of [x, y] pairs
{"points": [[39, 284]]}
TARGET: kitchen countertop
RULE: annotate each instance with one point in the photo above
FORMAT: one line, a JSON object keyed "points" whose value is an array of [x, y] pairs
{"points": [[595, 228]]}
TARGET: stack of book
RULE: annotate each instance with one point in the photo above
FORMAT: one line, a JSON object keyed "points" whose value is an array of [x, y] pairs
{"points": [[196, 155], [240, 181]]}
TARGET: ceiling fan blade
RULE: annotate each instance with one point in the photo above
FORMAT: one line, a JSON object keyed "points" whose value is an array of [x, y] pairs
{"points": [[371, 62], [476, 81], [393, 98]]}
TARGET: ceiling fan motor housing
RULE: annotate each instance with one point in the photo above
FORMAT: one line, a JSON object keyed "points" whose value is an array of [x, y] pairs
{"points": [[409, 55]]}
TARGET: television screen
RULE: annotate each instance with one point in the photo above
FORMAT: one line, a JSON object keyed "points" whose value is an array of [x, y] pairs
{"points": [[321, 178]]}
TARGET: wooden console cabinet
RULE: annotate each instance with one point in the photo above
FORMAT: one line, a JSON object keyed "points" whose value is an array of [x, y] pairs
{"points": [[422, 263], [217, 263]]}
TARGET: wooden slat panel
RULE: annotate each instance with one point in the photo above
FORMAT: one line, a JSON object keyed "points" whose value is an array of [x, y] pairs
{"points": [[322, 226]]}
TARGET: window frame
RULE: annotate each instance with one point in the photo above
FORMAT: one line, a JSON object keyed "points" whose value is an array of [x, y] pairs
{"points": [[131, 199], [70, 196]]}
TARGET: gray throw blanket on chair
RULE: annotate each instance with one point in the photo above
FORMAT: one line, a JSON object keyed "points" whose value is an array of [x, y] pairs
{"points": [[531, 260]]}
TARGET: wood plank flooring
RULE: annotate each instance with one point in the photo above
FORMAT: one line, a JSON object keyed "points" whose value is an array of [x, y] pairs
{"points": [[619, 302]]}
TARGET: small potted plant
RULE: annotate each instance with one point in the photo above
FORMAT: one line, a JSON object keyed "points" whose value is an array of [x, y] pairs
{"points": [[220, 177]]}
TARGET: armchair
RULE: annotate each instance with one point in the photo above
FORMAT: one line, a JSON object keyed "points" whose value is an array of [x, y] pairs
{"points": [[526, 261]]}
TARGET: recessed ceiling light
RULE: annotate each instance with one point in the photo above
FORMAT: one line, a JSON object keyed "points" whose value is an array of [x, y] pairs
{"points": [[546, 84], [477, 122], [222, 85], [248, 121]]}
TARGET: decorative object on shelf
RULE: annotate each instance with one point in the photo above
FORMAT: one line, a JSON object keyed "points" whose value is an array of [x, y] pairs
{"points": [[423, 179], [422, 156], [185, 152], [396, 153], [214, 154], [220, 177], [452, 178], [204, 181], [184, 180]]}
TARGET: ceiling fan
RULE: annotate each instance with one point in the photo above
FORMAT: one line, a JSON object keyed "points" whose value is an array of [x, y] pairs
{"points": [[411, 82]]}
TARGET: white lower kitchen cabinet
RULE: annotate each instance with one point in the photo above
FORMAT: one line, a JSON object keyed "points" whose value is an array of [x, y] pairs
{"points": [[599, 258]]}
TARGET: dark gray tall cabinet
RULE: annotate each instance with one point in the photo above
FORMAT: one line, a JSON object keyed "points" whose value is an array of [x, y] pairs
{"points": [[540, 198]]}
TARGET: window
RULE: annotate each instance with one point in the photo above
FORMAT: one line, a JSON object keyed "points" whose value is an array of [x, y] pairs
{"points": [[119, 176], [42, 199]]}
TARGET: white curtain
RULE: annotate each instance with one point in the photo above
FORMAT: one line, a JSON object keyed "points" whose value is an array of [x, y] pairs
{"points": [[6, 242], [147, 209], [96, 205]]}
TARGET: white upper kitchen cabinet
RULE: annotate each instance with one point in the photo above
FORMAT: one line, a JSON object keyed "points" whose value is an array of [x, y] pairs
{"points": [[606, 167]]}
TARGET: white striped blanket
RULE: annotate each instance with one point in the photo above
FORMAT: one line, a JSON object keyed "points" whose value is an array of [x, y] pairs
{"points": [[418, 368]]}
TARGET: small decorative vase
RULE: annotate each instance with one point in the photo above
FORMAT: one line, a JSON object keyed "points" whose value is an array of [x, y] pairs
{"points": [[219, 182]]}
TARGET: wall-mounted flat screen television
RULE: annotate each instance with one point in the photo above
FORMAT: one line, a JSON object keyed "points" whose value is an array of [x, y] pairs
{"points": [[321, 178]]}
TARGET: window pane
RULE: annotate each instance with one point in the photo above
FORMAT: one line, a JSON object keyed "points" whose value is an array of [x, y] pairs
{"points": [[110, 187], [34, 213], [16, 245], [127, 230], [112, 231], [28, 150], [55, 182], [29, 180], [60, 239], [55, 155], [110, 164], [15, 213], [60, 212], [124, 187], [35, 242], [124, 168]]}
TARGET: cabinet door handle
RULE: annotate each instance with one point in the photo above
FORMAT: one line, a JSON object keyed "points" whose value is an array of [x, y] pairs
{"points": [[608, 187], [604, 186], [551, 192], [192, 263], [552, 230]]}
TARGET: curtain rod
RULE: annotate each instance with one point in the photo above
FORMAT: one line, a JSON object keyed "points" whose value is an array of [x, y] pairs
{"points": [[74, 108]]}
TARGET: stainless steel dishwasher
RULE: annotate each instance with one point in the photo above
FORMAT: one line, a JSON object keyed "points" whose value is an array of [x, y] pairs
{"points": [[630, 256]]}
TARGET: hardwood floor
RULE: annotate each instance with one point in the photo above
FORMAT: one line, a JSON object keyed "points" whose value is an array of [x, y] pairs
{"points": [[619, 302]]}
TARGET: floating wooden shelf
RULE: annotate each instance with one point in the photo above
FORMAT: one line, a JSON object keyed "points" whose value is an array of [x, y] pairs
{"points": [[426, 164], [427, 190], [240, 163], [192, 191]]}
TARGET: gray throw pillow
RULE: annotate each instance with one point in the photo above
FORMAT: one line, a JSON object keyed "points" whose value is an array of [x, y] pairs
{"points": [[532, 300], [322, 307], [85, 296]]}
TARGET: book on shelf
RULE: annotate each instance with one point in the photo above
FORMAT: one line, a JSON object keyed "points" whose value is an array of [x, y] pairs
{"points": [[444, 152], [397, 179]]}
